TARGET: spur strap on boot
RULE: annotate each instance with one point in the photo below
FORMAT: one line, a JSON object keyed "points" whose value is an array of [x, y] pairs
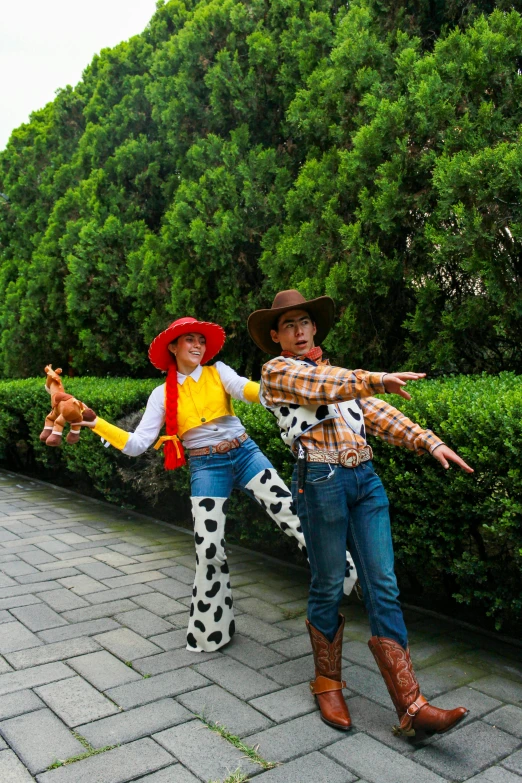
{"points": [[413, 709], [405, 727], [327, 686]]}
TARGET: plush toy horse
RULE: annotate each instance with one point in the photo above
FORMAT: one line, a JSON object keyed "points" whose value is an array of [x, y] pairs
{"points": [[66, 409]]}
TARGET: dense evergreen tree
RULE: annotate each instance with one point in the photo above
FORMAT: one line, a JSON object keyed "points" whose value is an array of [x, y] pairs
{"points": [[370, 150]]}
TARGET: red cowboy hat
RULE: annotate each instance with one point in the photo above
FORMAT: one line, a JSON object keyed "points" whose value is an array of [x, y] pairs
{"points": [[159, 353]]}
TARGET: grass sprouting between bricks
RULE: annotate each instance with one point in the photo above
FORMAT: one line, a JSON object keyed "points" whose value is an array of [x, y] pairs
{"points": [[89, 751], [249, 751], [235, 777]]}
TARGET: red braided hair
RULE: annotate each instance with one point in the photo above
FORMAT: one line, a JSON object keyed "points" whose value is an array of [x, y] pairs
{"points": [[172, 449]]}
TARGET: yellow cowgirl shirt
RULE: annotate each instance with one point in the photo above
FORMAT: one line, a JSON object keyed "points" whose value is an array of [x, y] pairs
{"points": [[205, 413]]}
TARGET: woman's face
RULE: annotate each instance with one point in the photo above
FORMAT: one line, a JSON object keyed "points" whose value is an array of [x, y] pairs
{"points": [[189, 350]]}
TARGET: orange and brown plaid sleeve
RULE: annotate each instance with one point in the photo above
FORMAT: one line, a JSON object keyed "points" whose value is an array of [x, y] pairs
{"points": [[285, 382], [389, 424]]}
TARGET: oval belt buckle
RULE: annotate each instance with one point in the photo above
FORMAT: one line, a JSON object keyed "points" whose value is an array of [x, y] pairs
{"points": [[349, 458], [223, 447]]}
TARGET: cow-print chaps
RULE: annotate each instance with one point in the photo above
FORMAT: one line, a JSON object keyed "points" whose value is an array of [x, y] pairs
{"points": [[211, 621], [271, 492], [273, 495]]}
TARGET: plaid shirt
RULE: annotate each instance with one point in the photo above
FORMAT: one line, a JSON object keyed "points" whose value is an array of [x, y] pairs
{"points": [[284, 383]]}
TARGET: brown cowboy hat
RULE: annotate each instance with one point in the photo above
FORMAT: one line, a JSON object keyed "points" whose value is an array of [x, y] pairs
{"points": [[262, 321]]}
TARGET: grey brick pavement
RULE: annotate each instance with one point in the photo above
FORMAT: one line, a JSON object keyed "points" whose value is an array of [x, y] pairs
{"points": [[220, 706], [311, 768], [463, 753], [39, 739], [367, 758], [93, 608], [508, 718], [76, 701], [51, 652], [115, 766], [103, 670], [12, 770], [134, 724], [203, 752]]}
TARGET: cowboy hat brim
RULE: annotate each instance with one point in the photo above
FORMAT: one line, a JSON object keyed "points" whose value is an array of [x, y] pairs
{"points": [[214, 335], [260, 322]]}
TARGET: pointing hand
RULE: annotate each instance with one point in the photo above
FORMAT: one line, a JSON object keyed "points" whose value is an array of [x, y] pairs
{"points": [[394, 382]]}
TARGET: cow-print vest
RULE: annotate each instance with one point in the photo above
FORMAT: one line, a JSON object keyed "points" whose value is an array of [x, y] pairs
{"points": [[295, 419]]}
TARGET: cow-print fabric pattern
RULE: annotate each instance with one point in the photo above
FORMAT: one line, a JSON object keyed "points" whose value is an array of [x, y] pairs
{"points": [[350, 574], [294, 419], [273, 495], [211, 620]]}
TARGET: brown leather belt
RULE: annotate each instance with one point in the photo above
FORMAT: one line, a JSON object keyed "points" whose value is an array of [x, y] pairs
{"points": [[222, 447], [349, 458]]}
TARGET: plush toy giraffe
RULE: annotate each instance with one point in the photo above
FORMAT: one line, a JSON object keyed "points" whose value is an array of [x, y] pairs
{"points": [[66, 409]]}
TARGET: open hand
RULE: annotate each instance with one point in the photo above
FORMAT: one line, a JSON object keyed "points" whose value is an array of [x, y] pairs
{"points": [[443, 453], [394, 382]]}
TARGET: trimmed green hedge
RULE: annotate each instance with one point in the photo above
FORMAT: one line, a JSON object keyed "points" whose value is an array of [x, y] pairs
{"points": [[456, 536], [24, 404]]}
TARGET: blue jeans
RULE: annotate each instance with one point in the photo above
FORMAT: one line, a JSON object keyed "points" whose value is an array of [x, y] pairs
{"points": [[349, 504], [213, 477], [216, 475]]}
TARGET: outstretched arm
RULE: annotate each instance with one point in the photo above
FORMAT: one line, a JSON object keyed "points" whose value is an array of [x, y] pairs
{"points": [[386, 422], [389, 424], [285, 383], [134, 443]]}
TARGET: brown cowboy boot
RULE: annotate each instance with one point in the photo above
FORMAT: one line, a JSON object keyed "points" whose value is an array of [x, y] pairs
{"points": [[414, 711], [327, 686]]}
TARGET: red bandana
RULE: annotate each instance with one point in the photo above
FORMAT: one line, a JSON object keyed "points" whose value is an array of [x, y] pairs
{"points": [[314, 354]]}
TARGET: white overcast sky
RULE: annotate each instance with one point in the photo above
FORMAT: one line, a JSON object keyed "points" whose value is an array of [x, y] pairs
{"points": [[46, 44]]}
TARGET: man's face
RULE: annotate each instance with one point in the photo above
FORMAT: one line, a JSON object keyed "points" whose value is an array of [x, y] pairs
{"points": [[295, 332]]}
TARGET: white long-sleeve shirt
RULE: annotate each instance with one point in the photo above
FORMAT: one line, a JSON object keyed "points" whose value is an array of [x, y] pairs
{"points": [[209, 434]]}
